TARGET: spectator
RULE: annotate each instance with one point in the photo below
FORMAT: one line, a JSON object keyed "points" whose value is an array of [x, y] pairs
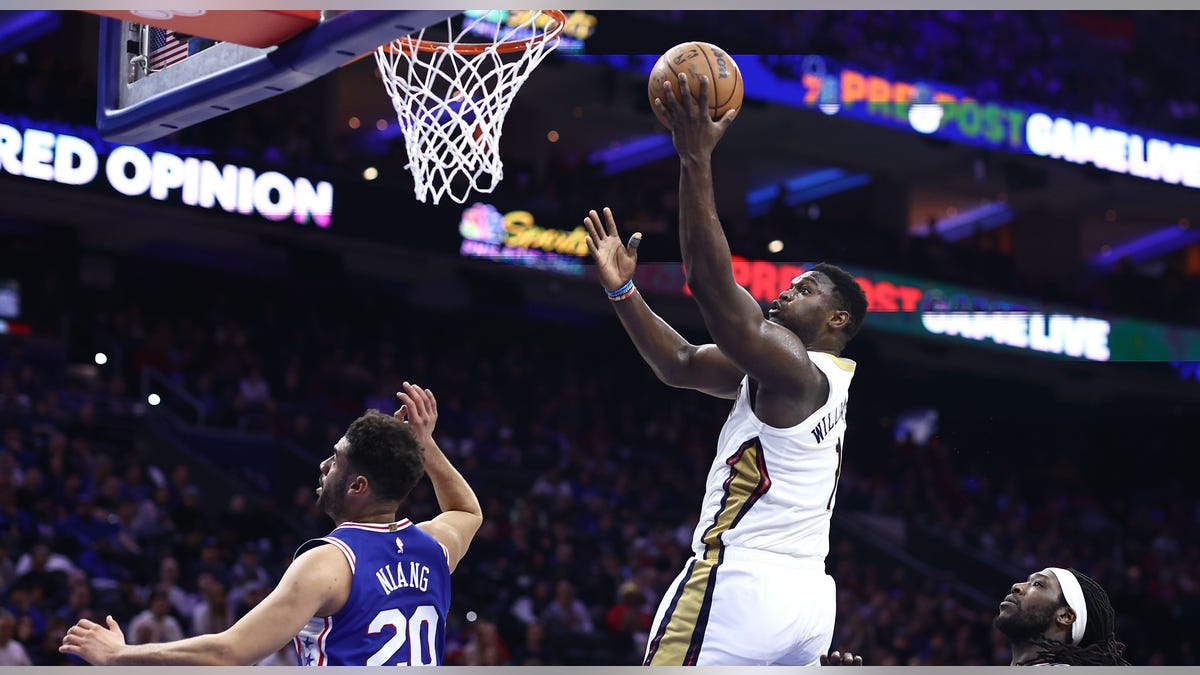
{"points": [[12, 652], [213, 613], [566, 613], [629, 620], [183, 603], [155, 623], [534, 650], [483, 647]]}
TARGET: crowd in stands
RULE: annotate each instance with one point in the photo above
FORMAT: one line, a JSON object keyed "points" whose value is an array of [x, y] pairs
{"points": [[589, 472]]}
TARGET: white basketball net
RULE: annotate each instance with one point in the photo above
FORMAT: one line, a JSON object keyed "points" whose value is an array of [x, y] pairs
{"points": [[451, 105]]}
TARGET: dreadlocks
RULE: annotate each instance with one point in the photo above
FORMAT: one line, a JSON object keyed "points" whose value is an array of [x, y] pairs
{"points": [[1099, 645]]}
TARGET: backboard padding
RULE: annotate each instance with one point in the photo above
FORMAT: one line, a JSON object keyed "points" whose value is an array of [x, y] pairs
{"points": [[227, 76]]}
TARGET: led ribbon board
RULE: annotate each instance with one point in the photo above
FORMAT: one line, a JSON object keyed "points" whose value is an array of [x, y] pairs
{"points": [[928, 308], [897, 303], [68, 157], [949, 113]]}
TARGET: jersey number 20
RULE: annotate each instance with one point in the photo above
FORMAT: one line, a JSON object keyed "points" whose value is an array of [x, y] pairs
{"points": [[420, 651]]}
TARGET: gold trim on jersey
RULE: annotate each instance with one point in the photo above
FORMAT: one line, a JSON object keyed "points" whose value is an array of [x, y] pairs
{"points": [[842, 362], [681, 633], [748, 480]]}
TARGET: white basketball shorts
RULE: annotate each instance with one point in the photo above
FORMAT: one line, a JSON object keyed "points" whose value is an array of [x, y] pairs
{"points": [[743, 607]]}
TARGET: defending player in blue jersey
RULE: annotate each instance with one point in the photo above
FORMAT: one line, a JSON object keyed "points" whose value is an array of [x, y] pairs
{"points": [[375, 591]]}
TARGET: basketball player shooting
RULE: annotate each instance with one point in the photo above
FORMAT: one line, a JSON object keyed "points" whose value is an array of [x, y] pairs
{"points": [[375, 591], [755, 591]]}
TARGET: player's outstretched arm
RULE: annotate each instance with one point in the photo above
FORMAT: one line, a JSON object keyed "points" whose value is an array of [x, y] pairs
{"points": [[769, 353], [461, 514], [317, 582], [676, 362]]}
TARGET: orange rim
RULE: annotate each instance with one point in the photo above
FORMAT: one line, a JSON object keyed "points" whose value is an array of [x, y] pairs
{"points": [[409, 45]]}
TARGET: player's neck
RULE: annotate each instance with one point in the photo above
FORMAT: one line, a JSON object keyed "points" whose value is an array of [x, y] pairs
{"points": [[1022, 652], [383, 514], [834, 350], [1025, 651], [827, 341]]}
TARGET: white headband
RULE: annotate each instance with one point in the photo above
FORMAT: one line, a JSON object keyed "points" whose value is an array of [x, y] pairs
{"points": [[1073, 592]]}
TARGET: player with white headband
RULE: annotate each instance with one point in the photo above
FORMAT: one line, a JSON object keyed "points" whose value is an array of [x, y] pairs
{"points": [[1060, 617], [1057, 617]]}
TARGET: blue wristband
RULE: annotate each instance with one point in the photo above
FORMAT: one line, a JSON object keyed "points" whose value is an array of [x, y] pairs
{"points": [[622, 290]]}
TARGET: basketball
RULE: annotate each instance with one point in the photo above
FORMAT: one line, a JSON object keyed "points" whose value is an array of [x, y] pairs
{"points": [[698, 59]]}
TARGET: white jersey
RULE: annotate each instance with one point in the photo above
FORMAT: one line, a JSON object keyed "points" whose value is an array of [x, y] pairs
{"points": [[774, 489]]}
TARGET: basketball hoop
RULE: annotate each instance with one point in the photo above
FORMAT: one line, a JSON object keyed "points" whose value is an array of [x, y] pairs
{"points": [[451, 97]]}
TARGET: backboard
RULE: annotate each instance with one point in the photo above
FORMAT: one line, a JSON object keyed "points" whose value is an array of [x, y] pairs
{"points": [[154, 80]]}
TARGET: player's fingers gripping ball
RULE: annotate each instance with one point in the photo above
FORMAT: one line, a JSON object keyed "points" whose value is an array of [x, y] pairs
{"points": [[697, 59]]}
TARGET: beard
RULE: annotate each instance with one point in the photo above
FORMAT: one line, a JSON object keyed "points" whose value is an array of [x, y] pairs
{"points": [[1022, 626], [332, 498]]}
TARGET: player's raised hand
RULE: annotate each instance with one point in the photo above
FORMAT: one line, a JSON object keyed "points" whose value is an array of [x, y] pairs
{"points": [[615, 261], [418, 408], [94, 643], [841, 659], [694, 133]]}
